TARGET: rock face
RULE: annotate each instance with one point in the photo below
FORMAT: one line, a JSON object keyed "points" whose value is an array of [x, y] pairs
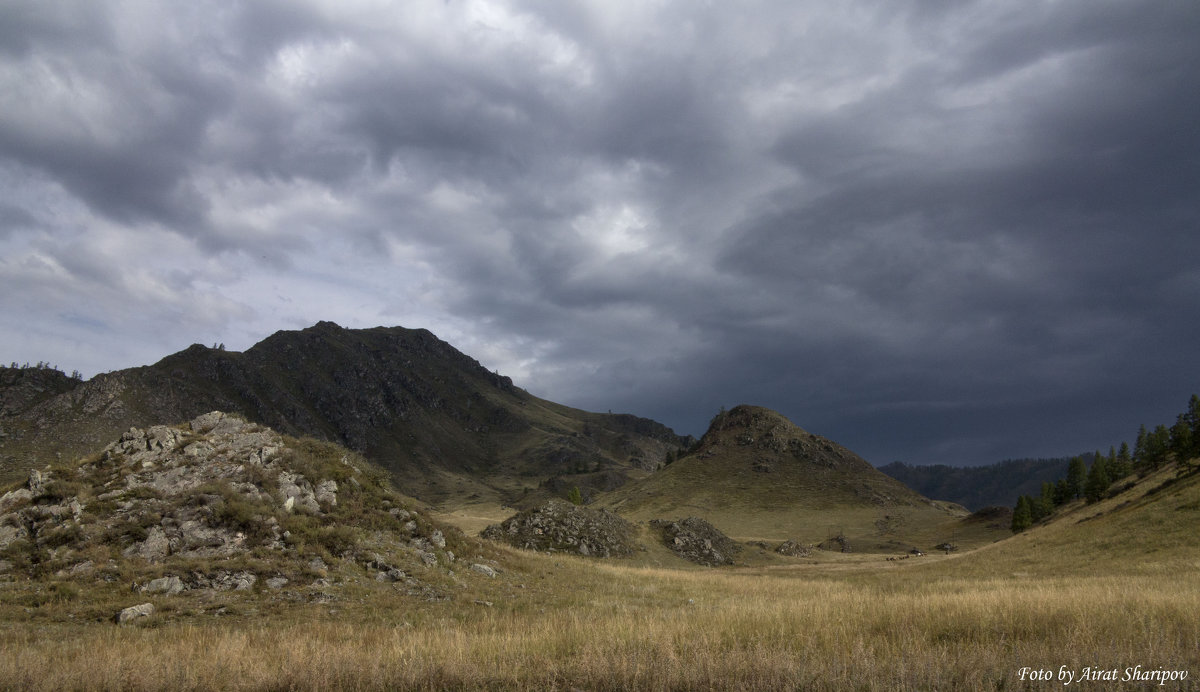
{"points": [[696, 540], [562, 526]]}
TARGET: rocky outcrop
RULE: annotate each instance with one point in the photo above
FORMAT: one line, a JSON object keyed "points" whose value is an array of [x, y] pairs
{"points": [[793, 548], [837, 544], [698, 541], [218, 487], [562, 526]]}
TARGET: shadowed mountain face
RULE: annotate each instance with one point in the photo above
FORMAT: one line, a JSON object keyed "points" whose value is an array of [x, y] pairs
{"points": [[755, 474], [437, 419]]}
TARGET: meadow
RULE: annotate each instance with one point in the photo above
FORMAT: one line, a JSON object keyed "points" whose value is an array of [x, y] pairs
{"points": [[1108, 588]]}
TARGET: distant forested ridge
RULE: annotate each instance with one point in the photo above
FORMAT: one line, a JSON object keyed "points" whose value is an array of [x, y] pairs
{"points": [[976, 487]]}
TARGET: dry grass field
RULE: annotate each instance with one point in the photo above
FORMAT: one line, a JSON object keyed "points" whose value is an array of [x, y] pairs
{"points": [[1110, 586]]}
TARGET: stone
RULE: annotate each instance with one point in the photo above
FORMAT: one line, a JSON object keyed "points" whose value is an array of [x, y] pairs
{"points": [[437, 539], [14, 498], [206, 422], [326, 493], [134, 612], [164, 585], [297, 492], [155, 547], [277, 582], [37, 481], [484, 570]]}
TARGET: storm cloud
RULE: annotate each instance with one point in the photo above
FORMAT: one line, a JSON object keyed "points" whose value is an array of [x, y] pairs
{"points": [[936, 232]]}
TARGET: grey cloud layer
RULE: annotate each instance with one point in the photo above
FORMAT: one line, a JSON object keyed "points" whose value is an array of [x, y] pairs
{"points": [[936, 231]]}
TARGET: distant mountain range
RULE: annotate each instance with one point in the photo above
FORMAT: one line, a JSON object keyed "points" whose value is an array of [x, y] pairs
{"points": [[976, 487]]}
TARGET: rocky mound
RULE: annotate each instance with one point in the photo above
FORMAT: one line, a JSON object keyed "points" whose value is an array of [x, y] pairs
{"points": [[794, 549], [837, 544], [562, 526], [696, 540], [193, 500]]}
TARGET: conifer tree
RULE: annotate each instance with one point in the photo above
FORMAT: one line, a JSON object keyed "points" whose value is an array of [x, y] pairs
{"points": [[1062, 493], [1139, 448], [1076, 477], [1022, 514], [1181, 438], [1123, 464], [1193, 419], [1097, 480], [1043, 506]]}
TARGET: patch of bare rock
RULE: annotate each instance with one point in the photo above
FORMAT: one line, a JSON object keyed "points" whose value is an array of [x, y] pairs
{"points": [[562, 526]]}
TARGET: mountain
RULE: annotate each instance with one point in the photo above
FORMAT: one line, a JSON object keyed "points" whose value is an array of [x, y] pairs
{"points": [[977, 487], [756, 475], [443, 424]]}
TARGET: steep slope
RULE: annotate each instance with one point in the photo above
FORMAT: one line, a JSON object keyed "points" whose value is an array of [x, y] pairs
{"points": [[1147, 526], [976, 487], [755, 475], [444, 425]]}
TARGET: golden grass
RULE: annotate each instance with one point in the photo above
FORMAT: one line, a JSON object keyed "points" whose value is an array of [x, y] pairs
{"points": [[1111, 592], [639, 628]]}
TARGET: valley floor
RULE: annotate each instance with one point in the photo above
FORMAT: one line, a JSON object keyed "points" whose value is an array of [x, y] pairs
{"points": [[555, 622], [1104, 597]]}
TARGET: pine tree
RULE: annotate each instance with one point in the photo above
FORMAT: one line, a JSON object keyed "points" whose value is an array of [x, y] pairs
{"points": [[1062, 493], [1193, 419], [1140, 460], [1022, 514], [1123, 465], [1181, 438], [1043, 506], [1097, 480], [1158, 444], [1076, 477], [575, 496]]}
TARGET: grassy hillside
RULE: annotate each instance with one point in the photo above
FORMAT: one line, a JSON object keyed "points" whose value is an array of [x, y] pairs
{"points": [[756, 476]]}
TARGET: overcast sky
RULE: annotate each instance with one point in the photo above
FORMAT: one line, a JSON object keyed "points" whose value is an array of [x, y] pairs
{"points": [[937, 232]]}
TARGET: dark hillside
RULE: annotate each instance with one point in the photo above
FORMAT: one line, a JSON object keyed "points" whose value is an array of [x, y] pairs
{"points": [[977, 487], [441, 422]]}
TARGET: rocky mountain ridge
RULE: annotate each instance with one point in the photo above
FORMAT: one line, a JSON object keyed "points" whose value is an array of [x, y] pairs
{"points": [[434, 417]]}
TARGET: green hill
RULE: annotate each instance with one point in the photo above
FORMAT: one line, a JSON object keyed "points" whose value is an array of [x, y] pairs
{"points": [[757, 476]]}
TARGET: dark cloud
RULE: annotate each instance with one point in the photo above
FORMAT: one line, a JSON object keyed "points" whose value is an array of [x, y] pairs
{"points": [[938, 232]]}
